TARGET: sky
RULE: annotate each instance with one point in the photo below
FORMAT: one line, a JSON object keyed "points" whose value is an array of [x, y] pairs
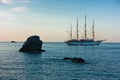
{"points": [[51, 19]]}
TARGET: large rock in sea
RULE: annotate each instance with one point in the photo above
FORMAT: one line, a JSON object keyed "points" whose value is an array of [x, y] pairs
{"points": [[32, 44], [76, 60]]}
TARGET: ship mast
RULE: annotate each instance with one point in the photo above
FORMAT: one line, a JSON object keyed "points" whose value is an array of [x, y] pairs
{"points": [[85, 29], [77, 35], [93, 32], [71, 31]]}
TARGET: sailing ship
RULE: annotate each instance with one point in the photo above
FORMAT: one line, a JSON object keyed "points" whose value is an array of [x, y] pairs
{"points": [[85, 41]]}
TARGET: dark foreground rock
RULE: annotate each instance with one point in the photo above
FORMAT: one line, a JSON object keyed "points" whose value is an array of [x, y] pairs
{"points": [[76, 60], [32, 44]]}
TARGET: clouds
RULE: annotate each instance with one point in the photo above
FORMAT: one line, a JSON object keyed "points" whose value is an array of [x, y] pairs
{"points": [[12, 9], [6, 17], [14, 1], [6, 14], [6, 1], [19, 9], [15, 4], [23, 1]]}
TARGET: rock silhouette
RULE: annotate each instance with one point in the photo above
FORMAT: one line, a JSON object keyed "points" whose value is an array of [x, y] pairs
{"points": [[32, 44], [76, 60]]}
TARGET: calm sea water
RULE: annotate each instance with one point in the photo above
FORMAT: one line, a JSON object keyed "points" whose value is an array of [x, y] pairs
{"points": [[102, 62]]}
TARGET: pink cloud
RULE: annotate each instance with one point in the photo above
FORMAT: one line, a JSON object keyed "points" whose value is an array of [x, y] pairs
{"points": [[19, 9]]}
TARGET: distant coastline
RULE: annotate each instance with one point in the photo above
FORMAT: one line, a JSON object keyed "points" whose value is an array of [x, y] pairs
{"points": [[57, 42]]}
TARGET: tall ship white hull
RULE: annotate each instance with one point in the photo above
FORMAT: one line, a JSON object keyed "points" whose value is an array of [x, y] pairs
{"points": [[84, 43]]}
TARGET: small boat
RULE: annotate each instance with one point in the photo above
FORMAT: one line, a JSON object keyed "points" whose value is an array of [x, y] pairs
{"points": [[13, 41], [85, 41]]}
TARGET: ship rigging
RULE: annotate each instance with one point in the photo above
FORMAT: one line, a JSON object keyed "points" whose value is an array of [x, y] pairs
{"points": [[85, 41]]}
